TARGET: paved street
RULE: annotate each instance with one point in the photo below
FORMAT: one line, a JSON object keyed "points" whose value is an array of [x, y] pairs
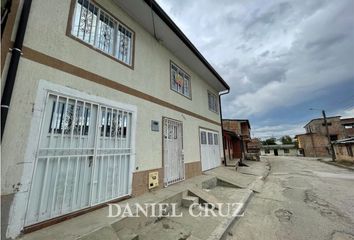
{"points": [[301, 199]]}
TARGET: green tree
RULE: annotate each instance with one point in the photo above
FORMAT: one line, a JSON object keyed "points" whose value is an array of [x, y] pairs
{"points": [[270, 141], [286, 139]]}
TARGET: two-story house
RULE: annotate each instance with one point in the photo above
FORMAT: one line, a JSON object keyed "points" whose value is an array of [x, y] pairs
{"points": [[314, 143], [104, 93]]}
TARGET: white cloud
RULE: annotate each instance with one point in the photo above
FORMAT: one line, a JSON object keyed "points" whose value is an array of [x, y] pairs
{"points": [[347, 113], [274, 54], [277, 131]]}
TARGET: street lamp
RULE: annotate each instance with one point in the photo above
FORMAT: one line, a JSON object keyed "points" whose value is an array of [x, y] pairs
{"points": [[327, 132]]}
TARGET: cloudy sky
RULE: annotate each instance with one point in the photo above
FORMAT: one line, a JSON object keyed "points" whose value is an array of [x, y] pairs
{"points": [[280, 58]]}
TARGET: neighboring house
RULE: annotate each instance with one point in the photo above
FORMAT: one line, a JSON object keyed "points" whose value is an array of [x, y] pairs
{"points": [[106, 92], [314, 143], [279, 150], [344, 149], [254, 145], [236, 135]]}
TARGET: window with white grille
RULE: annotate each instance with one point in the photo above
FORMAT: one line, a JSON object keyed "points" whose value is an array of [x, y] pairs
{"points": [[180, 81], [96, 27], [213, 102]]}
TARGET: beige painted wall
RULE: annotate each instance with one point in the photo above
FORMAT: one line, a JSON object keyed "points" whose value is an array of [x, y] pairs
{"points": [[151, 72], [148, 143], [150, 75]]}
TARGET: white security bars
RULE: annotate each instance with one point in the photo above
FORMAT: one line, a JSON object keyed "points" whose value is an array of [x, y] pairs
{"points": [[213, 102], [83, 157], [94, 26], [180, 81], [173, 151]]}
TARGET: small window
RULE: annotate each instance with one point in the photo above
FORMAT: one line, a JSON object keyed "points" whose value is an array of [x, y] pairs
{"points": [[286, 150], [213, 102], [333, 138], [216, 139], [97, 28], [328, 123], [210, 138], [267, 151], [180, 81], [203, 139]]}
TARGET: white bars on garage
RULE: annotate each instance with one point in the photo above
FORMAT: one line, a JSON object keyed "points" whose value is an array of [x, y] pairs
{"points": [[83, 157]]}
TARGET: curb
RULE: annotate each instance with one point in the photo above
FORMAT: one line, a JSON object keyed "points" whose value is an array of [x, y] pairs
{"points": [[221, 231], [224, 227], [336, 164]]}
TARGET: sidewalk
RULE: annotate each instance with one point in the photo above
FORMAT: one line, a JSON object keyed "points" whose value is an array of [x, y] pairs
{"points": [[219, 185]]}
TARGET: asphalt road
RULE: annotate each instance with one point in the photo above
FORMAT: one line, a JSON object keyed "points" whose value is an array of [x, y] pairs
{"points": [[301, 199]]}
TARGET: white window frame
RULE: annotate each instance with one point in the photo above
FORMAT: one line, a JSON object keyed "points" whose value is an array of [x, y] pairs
{"points": [[213, 106], [120, 33], [186, 81]]}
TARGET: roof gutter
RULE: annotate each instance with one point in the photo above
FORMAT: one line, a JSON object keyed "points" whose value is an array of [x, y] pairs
{"points": [[169, 22], [222, 127], [15, 59]]}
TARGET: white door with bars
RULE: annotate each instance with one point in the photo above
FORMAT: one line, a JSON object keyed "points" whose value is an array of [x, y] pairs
{"points": [[173, 151], [83, 157], [209, 149]]}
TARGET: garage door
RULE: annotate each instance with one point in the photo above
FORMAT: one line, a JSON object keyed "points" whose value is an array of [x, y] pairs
{"points": [[209, 148], [83, 157]]}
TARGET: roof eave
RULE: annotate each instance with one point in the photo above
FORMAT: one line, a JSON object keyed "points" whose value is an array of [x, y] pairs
{"points": [[169, 22]]}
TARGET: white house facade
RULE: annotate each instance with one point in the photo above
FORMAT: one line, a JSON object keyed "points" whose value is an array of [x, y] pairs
{"points": [[106, 92]]}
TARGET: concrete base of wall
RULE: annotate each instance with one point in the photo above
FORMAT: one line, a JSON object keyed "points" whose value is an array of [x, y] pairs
{"points": [[193, 169], [140, 179]]}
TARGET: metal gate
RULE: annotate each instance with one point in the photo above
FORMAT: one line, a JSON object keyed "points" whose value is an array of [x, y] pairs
{"points": [[173, 151], [209, 149], [83, 157]]}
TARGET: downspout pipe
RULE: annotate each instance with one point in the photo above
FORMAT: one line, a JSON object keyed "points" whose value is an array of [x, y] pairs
{"points": [[15, 58], [222, 127]]}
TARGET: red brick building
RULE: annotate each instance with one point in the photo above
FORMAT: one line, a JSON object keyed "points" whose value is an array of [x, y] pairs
{"points": [[348, 124], [236, 134], [314, 143]]}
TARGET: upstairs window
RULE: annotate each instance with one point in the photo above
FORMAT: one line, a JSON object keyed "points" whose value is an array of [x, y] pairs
{"points": [[180, 81], [97, 28], [213, 102]]}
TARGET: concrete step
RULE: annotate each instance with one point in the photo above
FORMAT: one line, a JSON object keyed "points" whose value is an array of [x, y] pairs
{"points": [[127, 234], [187, 201], [204, 196]]}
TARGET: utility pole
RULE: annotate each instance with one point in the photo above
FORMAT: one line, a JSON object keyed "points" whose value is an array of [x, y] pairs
{"points": [[329, 138]]}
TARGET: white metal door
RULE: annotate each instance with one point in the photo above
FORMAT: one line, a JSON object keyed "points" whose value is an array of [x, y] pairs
{"points": [[82, 159], [209, 149], [173, 151]]}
